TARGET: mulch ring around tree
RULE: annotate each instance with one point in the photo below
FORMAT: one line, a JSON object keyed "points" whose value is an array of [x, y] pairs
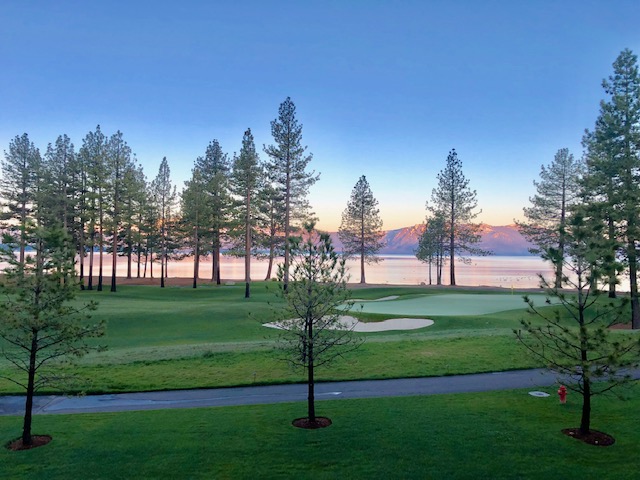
{"points": [[37, 441], [321, 422], [599, 439]]}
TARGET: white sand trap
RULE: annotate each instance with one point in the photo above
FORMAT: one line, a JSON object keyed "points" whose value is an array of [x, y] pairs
{"points": [[384, 326], [383, 299]]}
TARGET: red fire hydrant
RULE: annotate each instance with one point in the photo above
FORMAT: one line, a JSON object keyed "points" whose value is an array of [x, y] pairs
{"points": [[562, 393]]}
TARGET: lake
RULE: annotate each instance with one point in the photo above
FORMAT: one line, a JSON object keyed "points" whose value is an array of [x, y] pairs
{"points": [[494, 271], [491, 271]]}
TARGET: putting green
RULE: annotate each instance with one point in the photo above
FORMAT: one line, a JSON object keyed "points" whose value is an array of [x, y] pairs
{"points": [[448, 305]]}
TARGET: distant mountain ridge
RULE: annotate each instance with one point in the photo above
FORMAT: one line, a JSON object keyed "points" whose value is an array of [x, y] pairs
{"points": [[501, 240]]}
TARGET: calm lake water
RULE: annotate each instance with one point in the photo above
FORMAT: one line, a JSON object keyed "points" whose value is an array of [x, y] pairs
{"points": [[492, 271], [503, 271]]}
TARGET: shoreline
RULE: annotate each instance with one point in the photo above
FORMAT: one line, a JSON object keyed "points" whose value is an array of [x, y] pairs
{"points": [[188, 282]]}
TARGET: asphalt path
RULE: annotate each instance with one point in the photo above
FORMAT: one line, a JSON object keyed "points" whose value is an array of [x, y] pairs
{"points": [[218, 397]]}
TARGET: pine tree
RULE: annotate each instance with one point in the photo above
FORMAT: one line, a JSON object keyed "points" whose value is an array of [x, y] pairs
{"points": [[19, 187], [457, 203], [194, 216], [57, 203], [361, 227], [576, 341], [93, 156], [246, 184], [140, 208], [617, 139], [165, 196], [41, 323], [287, 172], [118, 156], [557, 191], [273, 240], [432, 245], [598, 205], [314, 333], [134, 188], [214, 167]]}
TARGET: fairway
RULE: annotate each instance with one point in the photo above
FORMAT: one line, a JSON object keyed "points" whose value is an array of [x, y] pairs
{"points": [[173, 338], [448, 305]]}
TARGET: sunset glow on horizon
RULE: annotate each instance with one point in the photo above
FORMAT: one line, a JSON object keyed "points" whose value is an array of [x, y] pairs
{"points": [[382, 89]]}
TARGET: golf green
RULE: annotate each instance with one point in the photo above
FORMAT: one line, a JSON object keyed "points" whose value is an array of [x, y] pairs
{"points": [[447, 305]]}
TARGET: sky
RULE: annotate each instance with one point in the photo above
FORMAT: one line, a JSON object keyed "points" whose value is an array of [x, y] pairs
{"points": [[383, 89]]}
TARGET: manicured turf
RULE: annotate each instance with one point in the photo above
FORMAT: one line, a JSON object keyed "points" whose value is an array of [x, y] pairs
{"points": [[499, 435], [449, 305], [211, 336]]}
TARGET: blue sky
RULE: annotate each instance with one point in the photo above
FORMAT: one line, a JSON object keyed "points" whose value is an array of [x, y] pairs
{"points": [[383, 88]]}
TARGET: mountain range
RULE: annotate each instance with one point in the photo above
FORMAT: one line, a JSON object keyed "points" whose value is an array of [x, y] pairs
{"points": [[500, 240]]}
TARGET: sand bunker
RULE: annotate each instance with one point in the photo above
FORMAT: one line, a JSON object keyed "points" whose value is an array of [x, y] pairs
{"points": [[384, 326]]}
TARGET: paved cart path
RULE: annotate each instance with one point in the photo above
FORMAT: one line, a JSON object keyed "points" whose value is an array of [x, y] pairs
{"points": [[57, 404]]}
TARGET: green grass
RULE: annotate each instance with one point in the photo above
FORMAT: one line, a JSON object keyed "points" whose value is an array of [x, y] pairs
{"points": [[497, 435], [211, 336], [374, 360]]}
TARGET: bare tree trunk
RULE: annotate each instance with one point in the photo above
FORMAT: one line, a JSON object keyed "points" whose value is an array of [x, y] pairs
{"points": [[114, 258], [452, 244], [287, 226], [311, 403], [81, 253], [215, 274], [196, 258], [93, 243], [28, 409], [162, 260], [100, 264], [247, 251], [270, 265], [129, 260], [633, 281], [585, 421]]}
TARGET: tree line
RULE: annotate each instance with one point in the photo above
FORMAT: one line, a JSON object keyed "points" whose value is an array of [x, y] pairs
{"points": [[598, 194], [600, 190], [252, 207], [100, 195]]}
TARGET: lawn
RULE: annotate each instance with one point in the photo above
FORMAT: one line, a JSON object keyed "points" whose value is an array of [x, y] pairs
{"points": [[495, 435], [181, 337]]}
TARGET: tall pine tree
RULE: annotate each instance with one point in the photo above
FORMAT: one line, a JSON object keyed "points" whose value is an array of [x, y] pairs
{"points": [[165, 196], [616, 142], [361, 227], [287, 170], [214, 167], [457, 202], [246, 184], [194, 217], [19, 187], [557, 191]]}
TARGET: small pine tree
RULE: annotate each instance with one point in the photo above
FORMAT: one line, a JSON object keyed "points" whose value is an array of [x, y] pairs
{"points": [[41, 323], [576, 341], [315, 299]]}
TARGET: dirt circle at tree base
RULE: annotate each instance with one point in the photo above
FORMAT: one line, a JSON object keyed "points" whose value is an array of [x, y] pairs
{"points": [[594, 437], [320, 422], [37, 441]]}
